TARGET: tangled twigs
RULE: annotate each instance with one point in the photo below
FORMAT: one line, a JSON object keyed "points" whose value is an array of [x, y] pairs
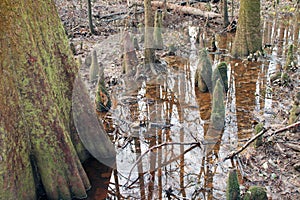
{"points": [[195, 144]]}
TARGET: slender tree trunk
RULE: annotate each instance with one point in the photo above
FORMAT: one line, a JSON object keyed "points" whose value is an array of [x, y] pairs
{"points": [[248, 37], [225, 13], [90, 17], [36, 82], [149, 24]]}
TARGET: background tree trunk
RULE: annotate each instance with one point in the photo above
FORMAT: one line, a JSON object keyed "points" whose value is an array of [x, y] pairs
{"points": [[149, 24], [90, 17], [248, 37], [36, 80], [225, 13]]}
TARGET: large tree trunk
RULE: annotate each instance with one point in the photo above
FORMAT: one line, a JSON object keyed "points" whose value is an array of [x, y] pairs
{"points": [[36, 78], [248, 37]]}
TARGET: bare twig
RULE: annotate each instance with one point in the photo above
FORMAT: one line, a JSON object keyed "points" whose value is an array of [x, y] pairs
{"points": [[163, 164], [155, 147]]}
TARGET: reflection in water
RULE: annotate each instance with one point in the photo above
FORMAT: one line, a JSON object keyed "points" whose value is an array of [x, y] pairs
{"points": [[159, 126], [99, 176], [245, 77]]}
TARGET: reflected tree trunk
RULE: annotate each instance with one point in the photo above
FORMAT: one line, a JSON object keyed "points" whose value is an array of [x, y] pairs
{"points": [[140, 167], [267, 32], [245, 87], [117, 185], [181, 164], [159, 162], [281, 39], [152, 167]]}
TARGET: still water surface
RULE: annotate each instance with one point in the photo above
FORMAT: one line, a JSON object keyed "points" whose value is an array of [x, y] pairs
{"points": [[166, 148]]}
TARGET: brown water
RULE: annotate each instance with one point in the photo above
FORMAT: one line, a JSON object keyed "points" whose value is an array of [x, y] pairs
{"points": [[156, 126]]}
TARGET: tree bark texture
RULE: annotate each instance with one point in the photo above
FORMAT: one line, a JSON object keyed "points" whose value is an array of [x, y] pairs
{"points": [[248, 37], [36, 80]]}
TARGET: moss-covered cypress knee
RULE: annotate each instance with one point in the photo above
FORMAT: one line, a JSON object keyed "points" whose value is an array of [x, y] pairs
{"points": [[221, 73], [204, 72], [102, 100], [256, 193], [258, 128], [218, 107], [233, 187], [130, 60], [94, 69], [88, 60]]}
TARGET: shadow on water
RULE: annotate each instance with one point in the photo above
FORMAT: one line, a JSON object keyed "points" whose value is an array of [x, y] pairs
{"points": [[158, 126]]}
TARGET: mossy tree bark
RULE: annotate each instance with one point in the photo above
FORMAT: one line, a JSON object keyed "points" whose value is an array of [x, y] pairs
{"points": [[248, 37], [36, 78]]}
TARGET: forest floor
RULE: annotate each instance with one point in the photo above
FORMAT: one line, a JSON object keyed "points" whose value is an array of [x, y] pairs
{"points": [[275, 164]]}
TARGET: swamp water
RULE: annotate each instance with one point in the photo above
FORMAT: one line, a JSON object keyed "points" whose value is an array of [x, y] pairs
{"points": [[166, 147]]}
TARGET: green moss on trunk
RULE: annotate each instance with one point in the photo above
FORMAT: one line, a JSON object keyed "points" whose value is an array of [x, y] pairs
{"points": [[38, 75], [220, 73]]}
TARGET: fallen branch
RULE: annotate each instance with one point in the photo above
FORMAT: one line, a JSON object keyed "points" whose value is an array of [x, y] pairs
{"points": [[234, 153], [295, 147], [190, 2], [118, 13], [286, 128], [187, 10]]}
